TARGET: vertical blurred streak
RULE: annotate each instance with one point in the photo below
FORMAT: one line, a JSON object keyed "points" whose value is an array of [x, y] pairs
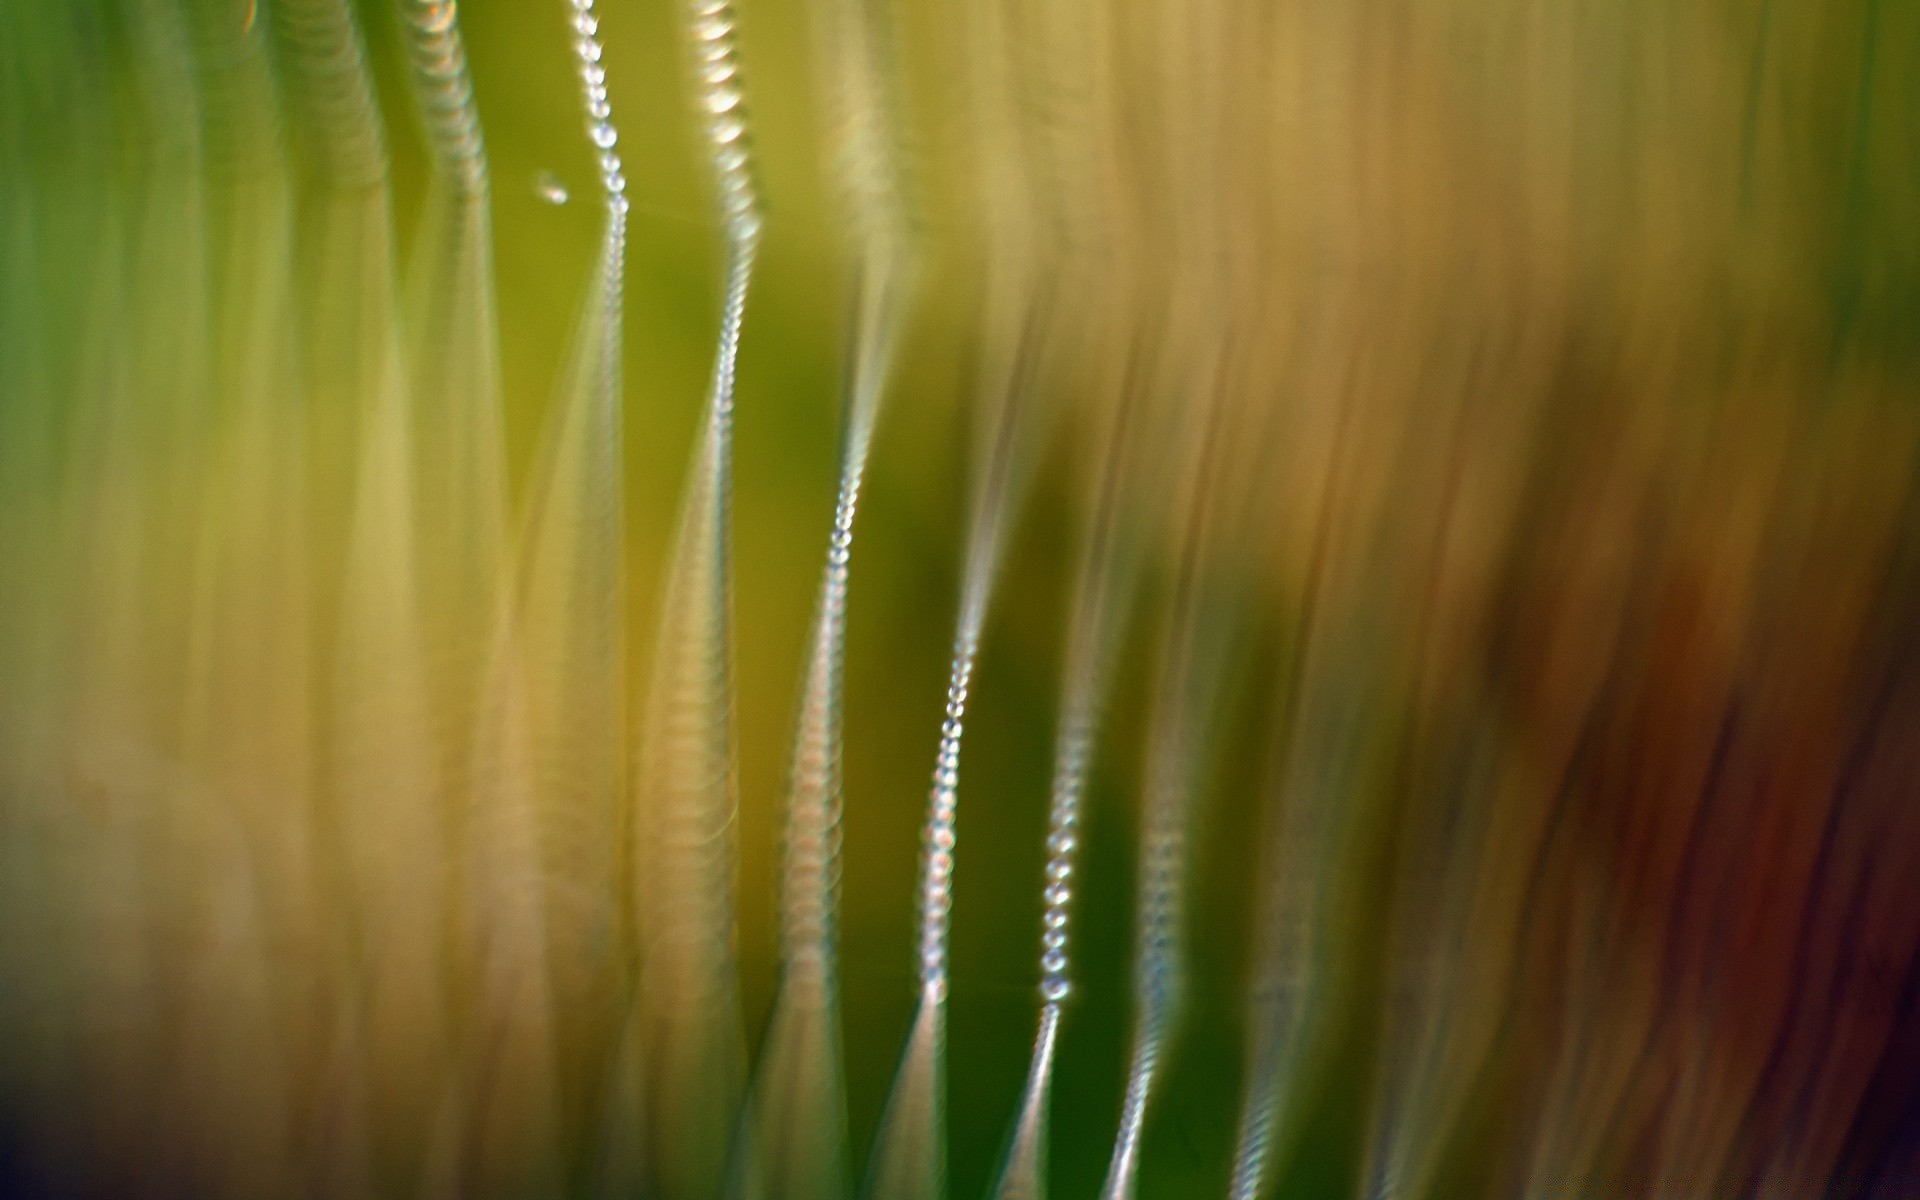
{"points": [[58, 217], [1845, 998], [793, 1139], [1660, 820], [909, 1156], [170, 308], [1284, 117], [381, 780], [1436, 814], [793, 1131], [454, 381], [136, 457], [1284, 979], [1121, 361], [249, 991], [528, 642], [1855, 945], [686, 794], [496, 1131], [1786, 904], [501, 1130], [1279, 1006], [1491, 918], [1194, 642], [1458, 840], [1868, 1136], [1208, 376], [1470, 801], [20, 418], [1222, 501], [1020, 333], [565, 644], [131, 453], [453, 364], [1284, 975], [1391, 763], [1072, 66], [71, 813], [1106, 580]]}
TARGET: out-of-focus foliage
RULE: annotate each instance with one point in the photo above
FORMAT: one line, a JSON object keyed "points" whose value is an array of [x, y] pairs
{"points": [[1431, 488]]}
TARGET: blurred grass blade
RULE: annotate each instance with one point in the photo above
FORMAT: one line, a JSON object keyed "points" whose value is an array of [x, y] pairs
{"points": [[909, 1154], [1200, 624], [1019, 332], [248, 726], [686, 795], [792, 1140], [1106, 578], [383, 780], [497, 1128], [453, 354], [572, 621]]}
